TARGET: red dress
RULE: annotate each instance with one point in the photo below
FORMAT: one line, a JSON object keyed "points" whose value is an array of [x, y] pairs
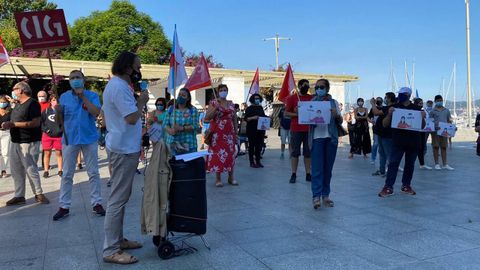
{"points": [[224, 139]]}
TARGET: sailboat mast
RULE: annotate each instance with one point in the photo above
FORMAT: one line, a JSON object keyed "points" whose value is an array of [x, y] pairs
{"points": [[455, 90]]}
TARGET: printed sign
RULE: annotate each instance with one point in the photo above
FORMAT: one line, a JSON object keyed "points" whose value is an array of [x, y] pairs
{"points": [[446, 129], [429, 125], [314, 112], [263, 123], [42, 29], [155, 132], [407, 119]]}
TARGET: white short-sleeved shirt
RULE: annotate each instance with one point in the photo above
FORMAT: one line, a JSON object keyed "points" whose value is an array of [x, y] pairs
{"points": [[118, 102], [321, 131]]}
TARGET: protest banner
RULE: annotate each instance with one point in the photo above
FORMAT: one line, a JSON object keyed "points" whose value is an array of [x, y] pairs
{"points": [[407, 119], [263, 123], [314, 112], [446, 130]]}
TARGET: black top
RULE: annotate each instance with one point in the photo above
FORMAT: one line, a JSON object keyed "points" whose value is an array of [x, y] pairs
{"points": [[384, 132], [477, 121], [284, 121], [49, 125], [5, 118], [406, 138], [26, 112], [253, 110]]}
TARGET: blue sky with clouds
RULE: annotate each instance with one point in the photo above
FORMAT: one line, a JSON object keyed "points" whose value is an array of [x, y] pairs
{"points": [[333, 37]]}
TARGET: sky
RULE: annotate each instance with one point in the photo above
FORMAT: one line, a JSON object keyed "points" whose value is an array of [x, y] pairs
{"points": [[351, 37]]}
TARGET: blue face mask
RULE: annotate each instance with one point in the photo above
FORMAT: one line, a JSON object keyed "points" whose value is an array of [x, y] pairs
{"points": [[321, 92], [77, 83], [181, 100], [385, 102], [257, 102], [403, 97], [3, 105], [160, 107], [428, 109], [14, 96], [439, 104]]}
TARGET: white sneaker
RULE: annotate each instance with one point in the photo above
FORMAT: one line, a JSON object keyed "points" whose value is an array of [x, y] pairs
{"points": [[400, 169], [448, 168], [437, 167], [425, 167]]}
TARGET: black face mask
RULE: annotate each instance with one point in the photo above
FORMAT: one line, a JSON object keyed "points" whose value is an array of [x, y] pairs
{"points": [[136, 76], [304, 89], [379, 102]]}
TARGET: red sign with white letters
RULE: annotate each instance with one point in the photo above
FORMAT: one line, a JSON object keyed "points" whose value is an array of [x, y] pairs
{"points": [[42, 29]]}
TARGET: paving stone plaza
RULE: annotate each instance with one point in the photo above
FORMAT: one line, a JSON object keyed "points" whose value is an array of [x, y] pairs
{"points": [[268, 223]]}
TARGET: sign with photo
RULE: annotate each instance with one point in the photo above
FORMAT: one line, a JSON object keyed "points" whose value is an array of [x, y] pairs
{"points": [[314, 112], [446, 129], [407, 119], [429, 125], [263, 123]]}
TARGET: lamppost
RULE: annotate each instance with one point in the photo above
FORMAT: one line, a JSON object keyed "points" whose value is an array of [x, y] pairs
{"points": [[277, 47], [469, 89]]}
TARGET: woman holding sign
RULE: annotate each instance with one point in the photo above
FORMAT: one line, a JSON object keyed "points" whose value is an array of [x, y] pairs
{"points": [[323, 140], [255, 136], [223, 124]]}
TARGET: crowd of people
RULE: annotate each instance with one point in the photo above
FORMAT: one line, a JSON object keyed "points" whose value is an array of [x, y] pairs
{"points": [[68, 125]]}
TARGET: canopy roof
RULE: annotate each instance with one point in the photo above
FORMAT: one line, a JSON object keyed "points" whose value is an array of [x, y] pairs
{"points": [[102, 70]]}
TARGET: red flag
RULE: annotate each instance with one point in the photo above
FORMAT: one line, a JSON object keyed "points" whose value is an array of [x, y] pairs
{"points": [[255, 87], [288, 85], [200, 77], [4, 59]]}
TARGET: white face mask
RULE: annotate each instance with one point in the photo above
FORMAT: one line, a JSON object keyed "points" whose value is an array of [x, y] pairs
{"points": [[42, 99], [223, 94]]}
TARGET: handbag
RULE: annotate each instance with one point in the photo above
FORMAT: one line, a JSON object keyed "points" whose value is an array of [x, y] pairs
{"points": [[340, 130]]}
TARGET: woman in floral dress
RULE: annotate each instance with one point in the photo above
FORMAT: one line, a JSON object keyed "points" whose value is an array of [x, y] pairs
{"points": [[223, 124]]}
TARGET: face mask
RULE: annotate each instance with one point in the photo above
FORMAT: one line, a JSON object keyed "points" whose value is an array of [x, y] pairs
{"points": [[136, 76], [3, 105], [223, 94], [321, 92], [181, 100], [360, 104], [428, 109], [385, 102], [304, 89], [257, 102], [77, 83], [379, 103], [439, 104], [403, 97], [160, 107], [42, 99], [14, 96]]}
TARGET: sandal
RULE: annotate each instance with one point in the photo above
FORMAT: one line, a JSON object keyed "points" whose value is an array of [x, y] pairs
{"points": [[120, 258], [232, 182], [126, 244], [327, 202], [219, 184]]}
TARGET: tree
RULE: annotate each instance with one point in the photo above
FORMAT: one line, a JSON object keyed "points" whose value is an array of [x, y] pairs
{"points": [[104, 34], [192, 59], [8, 27]]}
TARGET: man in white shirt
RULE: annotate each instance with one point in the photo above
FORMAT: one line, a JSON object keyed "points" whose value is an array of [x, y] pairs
{"points": [[122, 117]]}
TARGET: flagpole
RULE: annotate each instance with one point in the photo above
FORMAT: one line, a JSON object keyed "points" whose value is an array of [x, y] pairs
{"points": [[14, 72]]}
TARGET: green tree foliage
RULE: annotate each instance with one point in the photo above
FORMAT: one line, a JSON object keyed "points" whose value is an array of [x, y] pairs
{"points": [[103, 35], [8, 27]]}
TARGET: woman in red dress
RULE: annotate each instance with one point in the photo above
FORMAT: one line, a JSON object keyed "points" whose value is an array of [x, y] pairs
{"points": [[223, 124]]}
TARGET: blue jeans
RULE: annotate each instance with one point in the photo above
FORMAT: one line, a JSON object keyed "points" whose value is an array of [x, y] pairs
{"points": [[375, 147], [70, 154], [384, 150], [323, 155], [394, 161]]}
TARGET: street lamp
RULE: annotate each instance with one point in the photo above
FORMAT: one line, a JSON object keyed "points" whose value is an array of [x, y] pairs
{"points": [[277, 47]]}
